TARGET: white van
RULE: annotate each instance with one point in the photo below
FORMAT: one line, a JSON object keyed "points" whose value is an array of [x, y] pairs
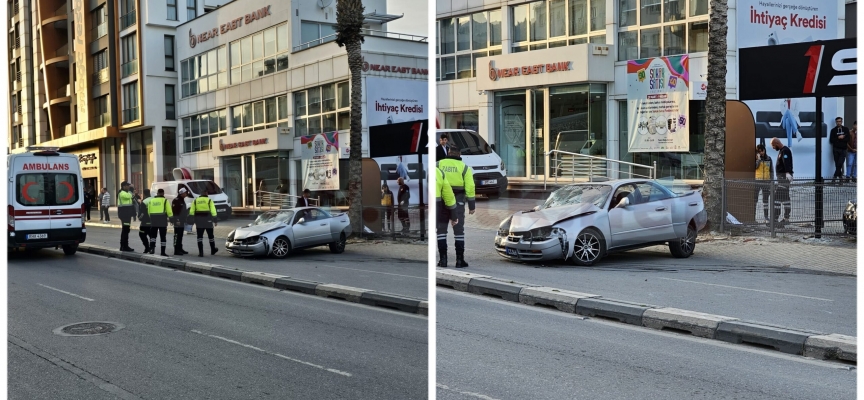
{"points": [[45, 200], [195, 187], [490, 175]]}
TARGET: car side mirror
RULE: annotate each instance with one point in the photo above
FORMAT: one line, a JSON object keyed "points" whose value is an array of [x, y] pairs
{"points": [[623, 203], [248, 225], [492, 146], [536, 208], [302, 221]]}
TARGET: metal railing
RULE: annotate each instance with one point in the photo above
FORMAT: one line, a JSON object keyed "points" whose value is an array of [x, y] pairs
{"points": [[18, 76], [20, 110], [585, 166], [99, 31], [15, 9], [100, 76], [130, 114], [273, 200], [101, 120], [128, 20], [364, 32], [129, 68], [391, 222], [16, 43]]}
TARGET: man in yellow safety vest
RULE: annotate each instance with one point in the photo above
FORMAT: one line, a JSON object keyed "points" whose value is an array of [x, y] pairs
{"points": [[125, 211], [159, 211], [461, 179], [205, 219], [445, 203]]}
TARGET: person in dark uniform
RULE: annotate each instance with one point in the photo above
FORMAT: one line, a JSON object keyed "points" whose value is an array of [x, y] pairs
{"points": [[303, 201], [403, 197], [159, 211], [839, 139], [443, 148], [178, 207], [125, 212], [88, 201], [205, 219], [783, 169], [144, 226]]}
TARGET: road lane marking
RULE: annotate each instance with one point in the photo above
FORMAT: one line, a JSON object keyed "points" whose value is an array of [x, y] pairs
{"points": [[65, 292], [469, 394], [752, 290], [249, 346]]}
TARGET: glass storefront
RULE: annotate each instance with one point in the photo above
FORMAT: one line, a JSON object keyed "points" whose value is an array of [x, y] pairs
{"points": [[462, 120], [510, 120], [232, 181], [141, 161], [270, 174]]}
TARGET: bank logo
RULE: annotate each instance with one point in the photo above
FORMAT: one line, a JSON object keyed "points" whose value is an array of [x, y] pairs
{"points": [[493, 72], [365, 65], [192, 40], [221, 145]]}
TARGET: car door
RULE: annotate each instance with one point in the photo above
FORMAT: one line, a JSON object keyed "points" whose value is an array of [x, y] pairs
{"points": [[303, 233], [321, 222], [644, 220]]}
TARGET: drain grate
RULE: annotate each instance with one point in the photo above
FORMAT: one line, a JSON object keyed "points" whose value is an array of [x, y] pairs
{"points": [[88, 328]]}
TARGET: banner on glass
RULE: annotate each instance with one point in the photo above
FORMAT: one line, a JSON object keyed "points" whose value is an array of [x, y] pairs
{"points": [[657, 104], [320, 155]]}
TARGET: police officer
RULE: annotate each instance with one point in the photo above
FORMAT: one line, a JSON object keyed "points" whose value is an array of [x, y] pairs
{"points": [[205, 219], [159, 212], [445, 203], [461, 179], [144, 226], [125, 211], [178, 207]]}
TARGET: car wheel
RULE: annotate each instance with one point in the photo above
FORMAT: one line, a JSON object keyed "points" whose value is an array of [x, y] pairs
{"points": [[683, 247], [589, 247], [338, 247], [70, 249], [281, 247]]}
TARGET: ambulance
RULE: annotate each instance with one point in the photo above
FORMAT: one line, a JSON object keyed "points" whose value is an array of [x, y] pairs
{"points": [[46, 200]]}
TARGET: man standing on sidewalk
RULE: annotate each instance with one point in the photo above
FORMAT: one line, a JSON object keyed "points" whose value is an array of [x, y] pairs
{"points": [[159, 211], [852, 154], [205, 219], [178, 207], [783, 168], [445, 203], [104, 203], [461, 179], [839, 138], [144, 225], [125, 211]]}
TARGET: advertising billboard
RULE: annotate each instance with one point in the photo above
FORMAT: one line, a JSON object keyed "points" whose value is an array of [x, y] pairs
{"points": [[658, 92], [320, 154]]}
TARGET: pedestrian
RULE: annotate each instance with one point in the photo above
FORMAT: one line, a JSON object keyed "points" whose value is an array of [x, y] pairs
{"points": [[304, 200], [125, 211], [104, 203], [764, 175], [403, 198], [839, 139], [461, 179], [159, 211], [178, 208], [445, 204], [387, 206], [283, 187], [88, 201], [402, 170], [205, 219], [144, 226], [262, 190], [136, 199], [851, 155], [784, 172], [442, 149]]}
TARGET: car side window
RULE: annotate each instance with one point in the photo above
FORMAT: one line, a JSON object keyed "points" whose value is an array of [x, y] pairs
{"points": [[622, 192], [297, 218], [651, 192]]}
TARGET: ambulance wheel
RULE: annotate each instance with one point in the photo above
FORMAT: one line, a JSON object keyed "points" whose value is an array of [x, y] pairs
{"points": [[70, 249]]}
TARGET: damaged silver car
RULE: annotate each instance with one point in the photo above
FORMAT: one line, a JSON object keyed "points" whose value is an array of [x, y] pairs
{"points": [[585, 222]]}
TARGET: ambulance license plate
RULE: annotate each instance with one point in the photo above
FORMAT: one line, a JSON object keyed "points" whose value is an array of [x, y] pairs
{"points": [[489, 182], [37, 236]]}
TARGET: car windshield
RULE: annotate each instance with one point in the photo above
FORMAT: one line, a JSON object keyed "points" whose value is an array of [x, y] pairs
{"points": [[469, 143], [274, 216], [208, 187], [575, 194]]}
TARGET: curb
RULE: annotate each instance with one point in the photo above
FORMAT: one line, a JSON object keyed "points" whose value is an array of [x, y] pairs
{"points": [[351, 294], [717, 327]]}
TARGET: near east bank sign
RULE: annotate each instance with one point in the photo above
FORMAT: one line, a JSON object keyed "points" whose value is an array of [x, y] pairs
{"points": [[246, 143], [497, 73], [227, 27], [394, 68]]}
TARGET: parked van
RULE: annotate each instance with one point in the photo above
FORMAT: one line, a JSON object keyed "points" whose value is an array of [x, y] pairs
{"points": [[45, 200], [182, 179], [490, 175]]}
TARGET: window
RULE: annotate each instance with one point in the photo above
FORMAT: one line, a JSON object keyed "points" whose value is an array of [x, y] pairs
{"points": [[100, 22], [469, 38], [130, 102], [556, 23], [260, 54], [316, 33], [322, 109], [204, 73], [263, 114], [462, 120], [172, 10], [129, 55], [103, 118], [661, 27], [48, 189], [100, 60], [191, 9], [169, 52], [169, 102], [200, 131]]}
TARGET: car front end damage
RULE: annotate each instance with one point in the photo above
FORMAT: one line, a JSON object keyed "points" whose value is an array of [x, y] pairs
{"points": [[247, 244], [539, 244]]}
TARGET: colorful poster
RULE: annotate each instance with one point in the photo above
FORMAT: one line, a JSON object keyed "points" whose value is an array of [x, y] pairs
{"points": [[320, 155], [657, 104]]}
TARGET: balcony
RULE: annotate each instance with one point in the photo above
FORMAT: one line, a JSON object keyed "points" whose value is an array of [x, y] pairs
{"points": [[16, 42], [17, 76], [130, 114], [130, 68], [63, 51], [100, 76], [127, 20], [15, 9], [99, 31], [100, 121]]}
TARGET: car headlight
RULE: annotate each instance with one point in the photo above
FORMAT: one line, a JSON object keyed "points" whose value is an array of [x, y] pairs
{"points": [[538, 234], [253, 239], [504, 228], [503, 169], [231, 236]]}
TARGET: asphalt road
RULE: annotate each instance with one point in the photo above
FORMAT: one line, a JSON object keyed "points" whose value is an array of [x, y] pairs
{"points": [[190, 336], [382, 266], [705, 282], [490, 349]]}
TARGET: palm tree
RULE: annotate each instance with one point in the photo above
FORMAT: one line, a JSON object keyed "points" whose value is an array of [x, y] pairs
{"points": [[715, 109], [349, 22]]}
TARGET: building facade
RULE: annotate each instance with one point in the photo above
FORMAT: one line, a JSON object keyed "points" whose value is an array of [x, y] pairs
{"points": [[255, 76], [580, 103]]}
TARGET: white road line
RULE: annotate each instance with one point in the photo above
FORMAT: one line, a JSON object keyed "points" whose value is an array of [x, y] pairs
{"points": [[65, 292], [752, 290], [248, 346], [469, 394]]}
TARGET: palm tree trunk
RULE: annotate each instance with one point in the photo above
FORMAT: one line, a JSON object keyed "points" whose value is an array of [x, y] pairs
{"points": [[715, 109], [355, 172]]}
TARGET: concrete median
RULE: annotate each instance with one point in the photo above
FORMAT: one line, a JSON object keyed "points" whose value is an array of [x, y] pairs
{"points": [[695, 323], [562, 300]]}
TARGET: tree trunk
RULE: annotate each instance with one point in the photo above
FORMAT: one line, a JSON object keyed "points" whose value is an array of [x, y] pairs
{"points": [[355, 170], [715, 110]]}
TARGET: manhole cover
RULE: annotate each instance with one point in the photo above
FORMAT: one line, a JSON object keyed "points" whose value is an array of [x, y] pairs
{"points": [[88, 329]]}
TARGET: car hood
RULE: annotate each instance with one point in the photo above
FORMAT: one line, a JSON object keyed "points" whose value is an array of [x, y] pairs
{"points": [[526, 220], [255, 230]]}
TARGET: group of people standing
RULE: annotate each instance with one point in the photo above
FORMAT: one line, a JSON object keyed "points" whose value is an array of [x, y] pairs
{"points": [[844, 146], [454, 188], [402, 201]]}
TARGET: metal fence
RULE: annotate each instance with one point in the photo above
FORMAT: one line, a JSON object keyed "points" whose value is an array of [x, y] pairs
{"points": [[747, 202], [386, 222]]}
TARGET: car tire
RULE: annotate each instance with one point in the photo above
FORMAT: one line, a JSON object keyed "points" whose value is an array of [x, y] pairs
{"points": [[70, 249], [684, 247], [281, 247], [338, 247], [588, 248]]}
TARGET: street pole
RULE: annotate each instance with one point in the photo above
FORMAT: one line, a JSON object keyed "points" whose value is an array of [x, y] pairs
{"points": [[819, 181], [422, 204]]}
